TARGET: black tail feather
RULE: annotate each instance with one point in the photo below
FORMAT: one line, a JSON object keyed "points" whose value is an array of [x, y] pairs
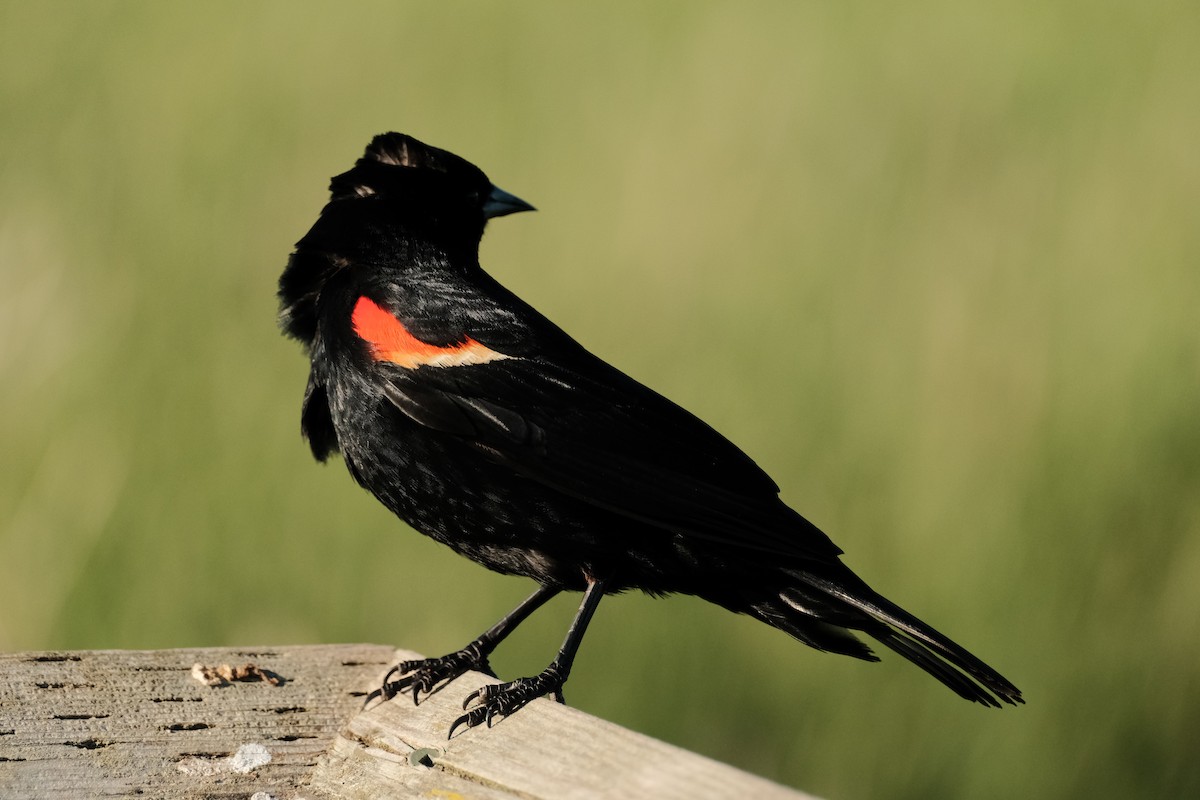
{"points": [[919, 654], [813, 632], [859, 607]]}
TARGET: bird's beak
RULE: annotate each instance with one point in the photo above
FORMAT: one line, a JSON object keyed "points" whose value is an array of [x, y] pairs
{"points": [[500, 202]]}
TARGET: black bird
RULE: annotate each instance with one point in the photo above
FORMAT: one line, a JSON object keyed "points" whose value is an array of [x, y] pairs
{"points": [[486, 427]]}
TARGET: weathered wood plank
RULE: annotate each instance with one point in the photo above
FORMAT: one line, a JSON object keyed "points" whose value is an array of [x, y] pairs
{"points": [[546, 752], [136, 723], [131, 723]]}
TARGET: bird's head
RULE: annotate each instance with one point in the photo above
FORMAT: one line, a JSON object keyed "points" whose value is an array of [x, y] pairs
{"points": [[402, 203], [424, 182]]}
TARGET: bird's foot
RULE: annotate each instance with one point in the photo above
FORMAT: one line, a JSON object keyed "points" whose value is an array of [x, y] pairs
{"points": [[426, 676], [490, 703]]}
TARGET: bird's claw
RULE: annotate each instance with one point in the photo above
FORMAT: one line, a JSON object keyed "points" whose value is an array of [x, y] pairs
{"points": [[491, 703], [426, 676]]}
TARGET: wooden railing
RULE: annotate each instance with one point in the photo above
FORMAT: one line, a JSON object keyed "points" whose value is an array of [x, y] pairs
{"points": [[287, 723]]}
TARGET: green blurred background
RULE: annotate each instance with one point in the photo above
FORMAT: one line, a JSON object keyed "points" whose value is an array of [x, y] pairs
{"points": [[933, 264]]}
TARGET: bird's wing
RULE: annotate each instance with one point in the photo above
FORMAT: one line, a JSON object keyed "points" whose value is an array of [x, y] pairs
{"points": [[591, 432]]}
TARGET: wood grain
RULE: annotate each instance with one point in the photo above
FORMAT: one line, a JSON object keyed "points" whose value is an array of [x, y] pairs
{"points": [[141, 724]]}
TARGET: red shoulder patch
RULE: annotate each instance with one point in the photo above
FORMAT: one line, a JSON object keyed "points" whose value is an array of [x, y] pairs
{"points": [[390, 341]]}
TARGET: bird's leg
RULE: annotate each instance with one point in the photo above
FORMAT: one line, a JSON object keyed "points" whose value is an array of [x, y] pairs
{"points": [[492, 702], [426, 676]]}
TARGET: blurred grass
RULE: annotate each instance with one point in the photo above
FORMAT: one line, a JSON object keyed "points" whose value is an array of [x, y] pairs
{"points": [[933, 265]]}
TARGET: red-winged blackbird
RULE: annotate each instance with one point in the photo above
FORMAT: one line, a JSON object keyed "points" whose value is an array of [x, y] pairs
{"points": [[484, 426]]}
